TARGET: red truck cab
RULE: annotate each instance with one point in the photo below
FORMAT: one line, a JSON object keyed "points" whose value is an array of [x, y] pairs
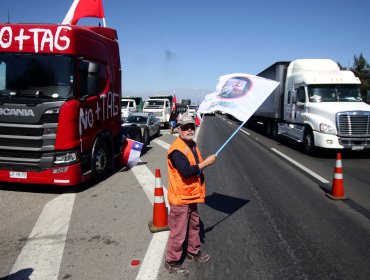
{"points": [[60, 113]]}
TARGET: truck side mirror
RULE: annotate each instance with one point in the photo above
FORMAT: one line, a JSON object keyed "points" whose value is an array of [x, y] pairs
{"points": [[93, 78], [2, 75]]}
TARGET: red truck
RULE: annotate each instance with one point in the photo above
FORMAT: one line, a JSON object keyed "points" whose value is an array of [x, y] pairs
{"points": [[60, 113]]}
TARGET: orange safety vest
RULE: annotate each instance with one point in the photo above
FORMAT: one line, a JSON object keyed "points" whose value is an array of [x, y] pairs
{"points": [[183, 190]]}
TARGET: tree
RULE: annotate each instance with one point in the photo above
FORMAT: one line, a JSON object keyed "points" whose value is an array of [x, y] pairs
{"points": [[362, 71], [360, 63]]}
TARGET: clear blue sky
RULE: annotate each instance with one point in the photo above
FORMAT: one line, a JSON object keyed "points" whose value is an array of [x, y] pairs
{"points": [[169, 44]]}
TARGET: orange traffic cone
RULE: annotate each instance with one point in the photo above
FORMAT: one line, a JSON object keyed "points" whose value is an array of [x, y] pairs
{"points": [[337, 190], [159, 222]]}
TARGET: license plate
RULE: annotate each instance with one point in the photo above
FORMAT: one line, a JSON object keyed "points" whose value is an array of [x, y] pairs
{"points": [[357, 148], [18, 175]]}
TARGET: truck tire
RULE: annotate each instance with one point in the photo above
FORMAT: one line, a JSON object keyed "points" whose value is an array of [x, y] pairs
{"points": [[308, 145], [100, 161], [272, 130]]}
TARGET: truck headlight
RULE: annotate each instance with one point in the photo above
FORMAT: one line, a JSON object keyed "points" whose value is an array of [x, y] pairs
{"points": [[67, 157], [328, 129]]}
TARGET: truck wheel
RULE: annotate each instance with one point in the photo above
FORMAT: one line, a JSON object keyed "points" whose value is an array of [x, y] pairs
{"points": [[275, 131], [272, 130], [101, 161], [308, 142]]}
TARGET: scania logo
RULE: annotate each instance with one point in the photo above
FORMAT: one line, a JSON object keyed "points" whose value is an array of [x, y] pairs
{"points": [[16, 112], [235, 87]]}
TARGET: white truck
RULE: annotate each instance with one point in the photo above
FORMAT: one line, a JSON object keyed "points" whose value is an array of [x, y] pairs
{"points": [[127, 107], [161, 107], [317, 105]]}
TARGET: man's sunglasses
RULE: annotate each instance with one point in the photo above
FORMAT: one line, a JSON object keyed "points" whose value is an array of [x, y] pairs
{"points": [[188, 126]]}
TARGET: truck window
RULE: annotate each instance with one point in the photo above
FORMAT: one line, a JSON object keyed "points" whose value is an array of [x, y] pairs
{"points": [[93, 78], [36, 76], [301, 95], [334, 93], [2, 75], [154, 103]]}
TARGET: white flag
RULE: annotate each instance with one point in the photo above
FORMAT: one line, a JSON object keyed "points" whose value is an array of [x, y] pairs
{"points": [[239, 95]]}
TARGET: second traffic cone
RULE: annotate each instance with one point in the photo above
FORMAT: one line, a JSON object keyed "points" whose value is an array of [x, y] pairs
{"points": [[160, 221], [337, 189]]}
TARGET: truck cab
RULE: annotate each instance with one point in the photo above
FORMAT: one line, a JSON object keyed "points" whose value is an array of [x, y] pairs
{"points": [[60, 91], [127, 107], [316, 105], [324, 106], [161, 107]]}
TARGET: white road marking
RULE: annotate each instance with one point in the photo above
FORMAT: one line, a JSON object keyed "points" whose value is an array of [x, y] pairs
{"points": [[245, 132], [147, 181], [44, 248], [153, 258], [309, 171], [160, 142], [152, 261]]}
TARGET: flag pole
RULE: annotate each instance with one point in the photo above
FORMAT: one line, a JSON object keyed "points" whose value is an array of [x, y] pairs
{"points": [[232, 135]]}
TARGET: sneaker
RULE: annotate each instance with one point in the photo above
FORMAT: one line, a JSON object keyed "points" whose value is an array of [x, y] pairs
{"points": [[175, 267], [200, 257]]}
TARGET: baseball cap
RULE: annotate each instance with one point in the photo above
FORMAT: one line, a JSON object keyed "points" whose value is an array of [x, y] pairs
{"points": [[185, 119]]}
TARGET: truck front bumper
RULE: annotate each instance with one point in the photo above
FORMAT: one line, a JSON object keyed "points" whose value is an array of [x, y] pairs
{"points": [[329, 141], [61, 176]]}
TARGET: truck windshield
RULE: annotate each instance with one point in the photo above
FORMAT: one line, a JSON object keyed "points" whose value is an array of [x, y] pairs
{"points": [[154, 103], [36, 76], [334, 93], [124, 104]]}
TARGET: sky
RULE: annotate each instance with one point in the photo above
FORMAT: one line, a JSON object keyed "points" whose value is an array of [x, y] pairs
{"points": [[177, 46]]}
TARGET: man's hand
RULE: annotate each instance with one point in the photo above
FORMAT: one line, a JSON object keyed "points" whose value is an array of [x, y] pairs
{"points": [[207, 162]]}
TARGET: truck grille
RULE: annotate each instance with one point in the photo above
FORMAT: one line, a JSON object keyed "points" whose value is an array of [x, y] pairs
{"points": [[354, 124], [23, 131], [157, 114], [26, 143], [23, 147]]}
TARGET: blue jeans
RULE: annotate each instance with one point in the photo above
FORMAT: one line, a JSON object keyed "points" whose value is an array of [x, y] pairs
{"points": [[173, 124]]}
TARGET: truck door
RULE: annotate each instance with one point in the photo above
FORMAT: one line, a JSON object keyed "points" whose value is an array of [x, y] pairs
{"points": [[167, 109], [289, 108], [93, 78], [299, 105]]}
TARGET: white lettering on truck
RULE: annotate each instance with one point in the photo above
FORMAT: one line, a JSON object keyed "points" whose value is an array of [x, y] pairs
{"points": [[16, 112], [41, 38], [110, 109]]}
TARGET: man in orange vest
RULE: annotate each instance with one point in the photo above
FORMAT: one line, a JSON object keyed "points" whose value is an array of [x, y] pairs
{"points": [[186, 188]]}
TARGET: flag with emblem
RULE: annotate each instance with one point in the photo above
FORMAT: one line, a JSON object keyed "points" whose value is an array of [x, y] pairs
{"points": [[238, 94]]}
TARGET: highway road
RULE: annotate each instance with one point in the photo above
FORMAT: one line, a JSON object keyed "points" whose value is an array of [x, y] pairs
{"points": [[266, 216]]}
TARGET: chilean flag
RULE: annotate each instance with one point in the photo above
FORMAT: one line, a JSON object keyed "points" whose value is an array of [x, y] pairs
{"points": [[131, 152], [84, 8]]}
